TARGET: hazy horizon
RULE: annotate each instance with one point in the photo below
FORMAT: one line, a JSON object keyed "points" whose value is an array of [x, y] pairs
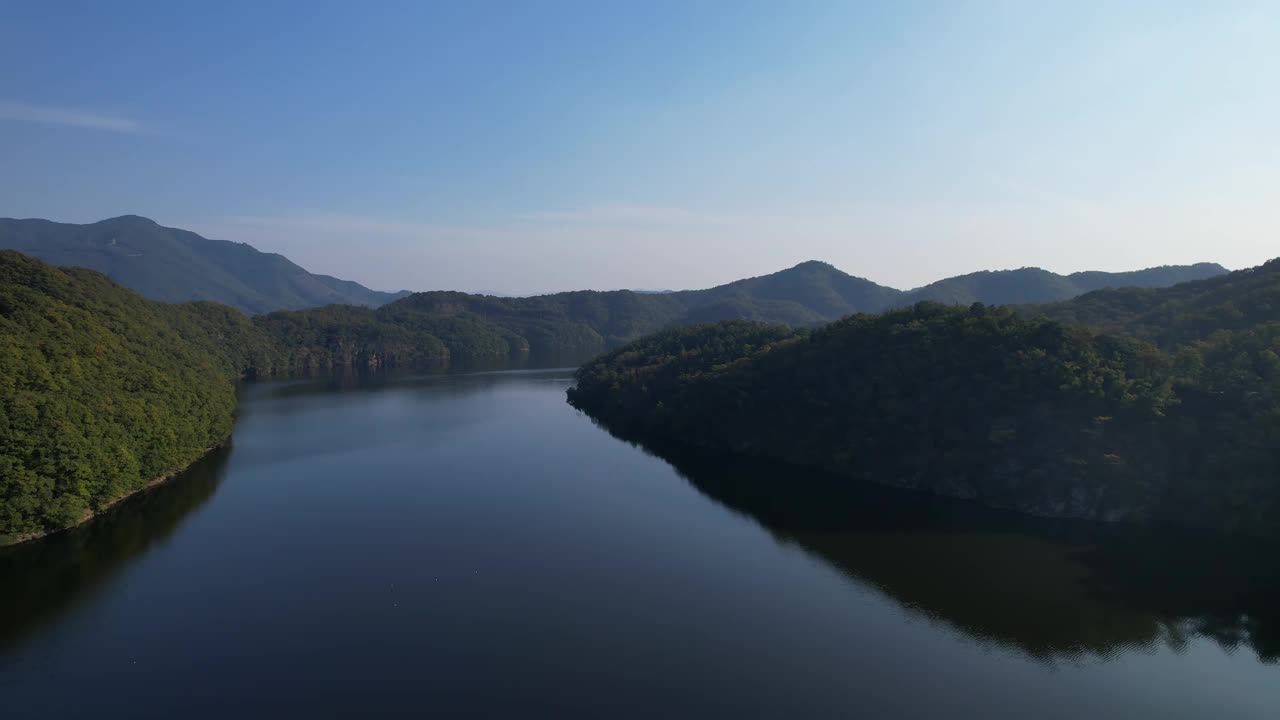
{"points": [[657, 145]]}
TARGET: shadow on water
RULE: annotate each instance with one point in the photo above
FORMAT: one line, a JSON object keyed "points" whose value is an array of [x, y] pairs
{"points": [[475, 374], [1059, 591], [45, 579]]}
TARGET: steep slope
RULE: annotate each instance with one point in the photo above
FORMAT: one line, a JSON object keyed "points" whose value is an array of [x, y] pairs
{"points": [[177, 265], [102, 391]]}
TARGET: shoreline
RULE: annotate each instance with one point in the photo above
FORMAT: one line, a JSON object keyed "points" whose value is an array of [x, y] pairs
{"points": [[90, 514]]}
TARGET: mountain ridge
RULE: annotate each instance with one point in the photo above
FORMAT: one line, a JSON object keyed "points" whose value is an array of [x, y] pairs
{"points": [[176, 265], [1037, 285]]}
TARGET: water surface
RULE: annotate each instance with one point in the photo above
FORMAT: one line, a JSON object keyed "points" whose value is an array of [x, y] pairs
{"points": [[469, 545]]}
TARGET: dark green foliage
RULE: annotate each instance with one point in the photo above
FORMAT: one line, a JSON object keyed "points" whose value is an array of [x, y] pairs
{"points": [[1225, 433], [176, 265], [587, 322], [1180, 314], [101, 391], [1012, 410], [345, 335], [969, 402], [646, 380], [809, 294], [577, 322]]}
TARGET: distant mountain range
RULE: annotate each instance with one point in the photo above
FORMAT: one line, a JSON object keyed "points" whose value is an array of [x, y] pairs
{"points": [[177, 265], [1033, 285], [814, 292]]}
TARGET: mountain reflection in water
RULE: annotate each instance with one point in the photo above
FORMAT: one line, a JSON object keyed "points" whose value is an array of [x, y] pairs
{"points": [[1053, 590]]}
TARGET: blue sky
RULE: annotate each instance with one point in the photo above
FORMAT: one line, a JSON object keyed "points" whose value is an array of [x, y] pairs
{"points": [[537, 146]]}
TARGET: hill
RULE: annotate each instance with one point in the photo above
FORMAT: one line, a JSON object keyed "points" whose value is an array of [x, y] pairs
{"points": [[575, 325], [808, 294], [177, 265], [103, 391], [1181, 314], [1033, 285], [1008, 407]]}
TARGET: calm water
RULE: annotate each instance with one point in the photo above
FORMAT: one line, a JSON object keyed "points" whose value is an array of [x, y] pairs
{"points": [[469, 545]]}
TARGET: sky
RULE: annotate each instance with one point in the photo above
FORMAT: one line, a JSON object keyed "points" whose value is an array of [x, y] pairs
{"points": [[522, 147]]}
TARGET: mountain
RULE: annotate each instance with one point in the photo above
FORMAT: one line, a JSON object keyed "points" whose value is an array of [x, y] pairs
{"points": [[1033, 285], [572, 326], [1170, 416], [318, 321], [807, 294], [177, 265]]}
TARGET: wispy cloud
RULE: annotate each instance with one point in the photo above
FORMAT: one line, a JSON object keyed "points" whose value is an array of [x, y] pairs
{"points": [[70, 117]]}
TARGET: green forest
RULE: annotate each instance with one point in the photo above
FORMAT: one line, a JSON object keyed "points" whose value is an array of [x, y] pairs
{"points": [[1118, 404], [1155, 406], [101, 391]]}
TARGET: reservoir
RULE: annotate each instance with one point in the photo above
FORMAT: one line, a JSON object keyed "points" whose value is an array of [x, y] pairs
{"points": [[469, 545]]}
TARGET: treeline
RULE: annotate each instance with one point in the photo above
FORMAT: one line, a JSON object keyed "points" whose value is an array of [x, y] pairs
{"points": [[584, 323], [1173, 416]]}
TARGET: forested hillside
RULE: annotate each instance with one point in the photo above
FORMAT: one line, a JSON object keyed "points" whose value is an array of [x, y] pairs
{"points": [[102, 391], [583, 323], [1182, 314], [1014, 411]]}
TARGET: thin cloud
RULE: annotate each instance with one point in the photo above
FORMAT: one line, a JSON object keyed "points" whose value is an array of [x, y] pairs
{"points": [[69, 117]]}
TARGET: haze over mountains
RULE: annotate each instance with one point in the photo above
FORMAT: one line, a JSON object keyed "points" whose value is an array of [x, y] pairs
{"points": [[175, 265]]}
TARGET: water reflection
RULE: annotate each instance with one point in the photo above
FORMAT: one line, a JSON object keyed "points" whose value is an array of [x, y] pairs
{"points": [[1059, 591], [471, 377], [45, 579]]}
